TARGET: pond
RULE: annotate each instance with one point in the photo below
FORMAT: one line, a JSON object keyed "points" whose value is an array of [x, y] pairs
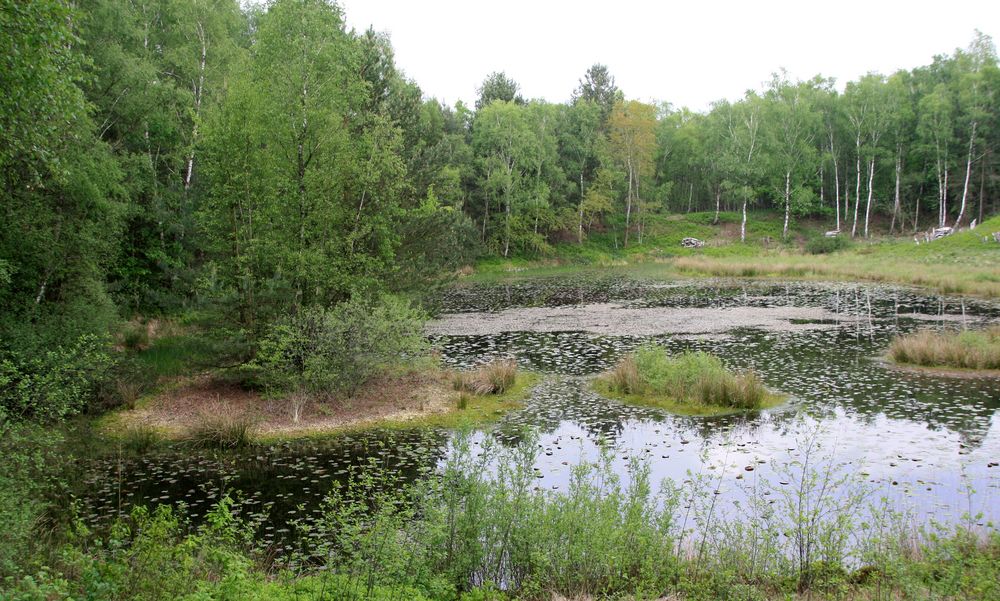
{"points": [[927, 442]]}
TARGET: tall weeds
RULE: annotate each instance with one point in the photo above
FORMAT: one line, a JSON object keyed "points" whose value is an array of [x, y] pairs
{"points": [[495, 377], [483, 524], [964, 350], [692, 378]]}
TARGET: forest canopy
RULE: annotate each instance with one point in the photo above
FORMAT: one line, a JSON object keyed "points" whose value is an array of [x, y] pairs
{"points": [[250, 163]]}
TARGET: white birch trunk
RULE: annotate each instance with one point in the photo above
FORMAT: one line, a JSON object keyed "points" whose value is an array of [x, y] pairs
{"points": [[868, 205], [198, 89], [743, 225], [968, 170], [857, 193], [788, 180]]}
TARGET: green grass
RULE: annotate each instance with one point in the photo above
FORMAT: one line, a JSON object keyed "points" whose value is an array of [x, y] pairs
{"points": [[177, 355], [222, 428], [966, 350], [959, 264], [478, 409], [691, 383]]}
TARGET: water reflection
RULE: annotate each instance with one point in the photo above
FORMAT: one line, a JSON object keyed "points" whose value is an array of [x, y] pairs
{"points": [[922, 440]]}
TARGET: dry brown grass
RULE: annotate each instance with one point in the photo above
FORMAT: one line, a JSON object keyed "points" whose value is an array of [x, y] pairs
{"points": [[624, 377], [849, 267], [220, 425], [496, 377], [962, 350]]}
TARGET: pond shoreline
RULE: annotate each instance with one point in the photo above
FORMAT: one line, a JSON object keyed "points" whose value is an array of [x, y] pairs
{"points": [[423, 397], [943, 371]]}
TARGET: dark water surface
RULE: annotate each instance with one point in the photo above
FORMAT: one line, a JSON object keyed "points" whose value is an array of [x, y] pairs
{"points": [[926, 442]]}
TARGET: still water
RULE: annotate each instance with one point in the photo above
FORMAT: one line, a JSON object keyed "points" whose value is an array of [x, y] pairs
{"points": [[929, 443]]}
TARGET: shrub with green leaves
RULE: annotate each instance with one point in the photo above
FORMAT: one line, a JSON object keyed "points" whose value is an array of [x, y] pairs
{"points": [[824, 245], [332, 351], [54, 384]]}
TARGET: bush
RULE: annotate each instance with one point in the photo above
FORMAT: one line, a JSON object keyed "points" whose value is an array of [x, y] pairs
{"points": [[332, 351], [135, 336], [55, 384], [824, 245]]}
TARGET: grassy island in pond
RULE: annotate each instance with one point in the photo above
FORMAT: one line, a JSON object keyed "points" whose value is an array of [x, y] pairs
{"points": [[691, 383], [965, 350]]}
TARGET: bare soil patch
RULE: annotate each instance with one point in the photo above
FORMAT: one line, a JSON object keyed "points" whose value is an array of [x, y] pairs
{"points": [[398, 398]]}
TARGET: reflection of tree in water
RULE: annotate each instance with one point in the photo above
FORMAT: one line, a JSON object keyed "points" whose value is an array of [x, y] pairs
{"points": [[279, 477], [570, 399]]}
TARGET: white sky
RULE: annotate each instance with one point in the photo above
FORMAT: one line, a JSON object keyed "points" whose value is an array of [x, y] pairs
{"points": [[687, 53]]}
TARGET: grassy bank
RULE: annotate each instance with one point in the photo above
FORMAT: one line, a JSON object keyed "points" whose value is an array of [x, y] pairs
{"points": [[207, 412], [687, 384], [184, 399], [974, 350], [962, 263]]}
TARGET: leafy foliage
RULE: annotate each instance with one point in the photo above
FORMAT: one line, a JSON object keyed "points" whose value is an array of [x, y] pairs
{"points": [[332, 351]]}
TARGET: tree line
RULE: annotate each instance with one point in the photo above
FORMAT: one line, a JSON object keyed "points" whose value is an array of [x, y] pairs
{"points": [[181, 155]]}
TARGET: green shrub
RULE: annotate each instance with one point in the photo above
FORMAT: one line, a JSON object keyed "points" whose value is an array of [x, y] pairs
{"points": [[135, 336], [330, 351], [54, 384], [824, 245]]}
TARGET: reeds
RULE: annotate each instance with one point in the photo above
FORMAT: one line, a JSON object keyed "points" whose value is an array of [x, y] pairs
{"points": [[139, 438], [963, 350]]}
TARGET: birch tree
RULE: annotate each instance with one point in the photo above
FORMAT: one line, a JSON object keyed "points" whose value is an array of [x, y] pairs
{"points": [[743, 146], [793, 125], [632, 141], [976, 101]]}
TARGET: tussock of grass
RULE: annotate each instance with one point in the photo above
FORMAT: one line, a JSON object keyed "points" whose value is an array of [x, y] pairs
{"points": [[978, 350], [690, 383], [222, 427], [496, 377], [139, 438]]}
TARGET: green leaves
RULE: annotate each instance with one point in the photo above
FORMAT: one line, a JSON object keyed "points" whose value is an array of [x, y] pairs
{"points": [[326, 352]]}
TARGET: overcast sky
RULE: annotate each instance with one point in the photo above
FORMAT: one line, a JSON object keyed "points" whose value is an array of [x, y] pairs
{"points": [[687, 53]]}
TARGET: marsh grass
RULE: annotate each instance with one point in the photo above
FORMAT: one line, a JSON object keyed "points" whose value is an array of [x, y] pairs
{"points": [[962, 263], [223, 427], [691, 382], [495, 377], [967, 349], [809, 531], [139, 438]]}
